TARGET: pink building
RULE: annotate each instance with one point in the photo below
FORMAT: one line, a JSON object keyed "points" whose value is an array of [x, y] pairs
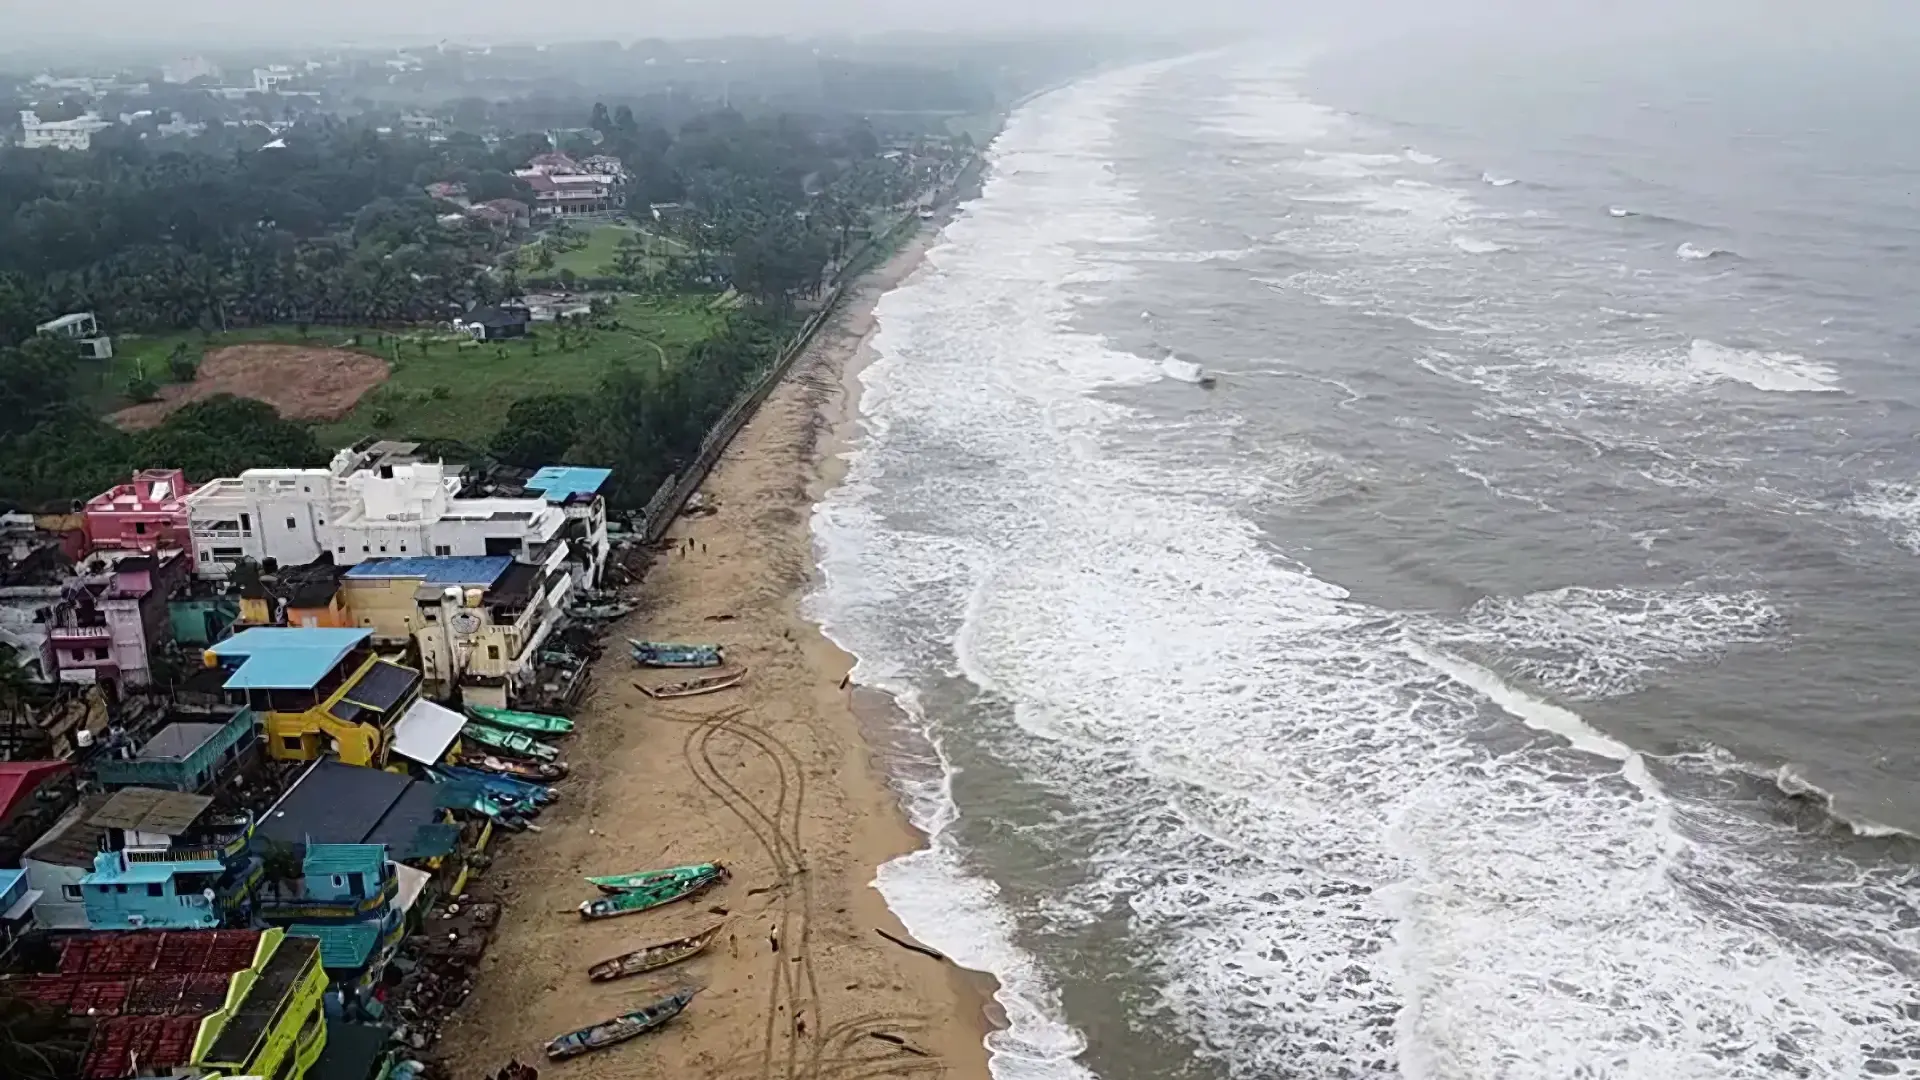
{"points": [[112, 614], [147, 514]]}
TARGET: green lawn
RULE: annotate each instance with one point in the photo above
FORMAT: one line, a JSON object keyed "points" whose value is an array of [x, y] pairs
{"points": [[447, 390], [455, 392]]}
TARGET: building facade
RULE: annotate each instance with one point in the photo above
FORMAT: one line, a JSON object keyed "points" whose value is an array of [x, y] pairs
{"points": [[317, 691], [379, 501], [75, 134], [147, 513]]}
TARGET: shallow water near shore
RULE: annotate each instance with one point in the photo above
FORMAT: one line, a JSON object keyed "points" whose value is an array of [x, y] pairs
{"points": [[1503, 671]]}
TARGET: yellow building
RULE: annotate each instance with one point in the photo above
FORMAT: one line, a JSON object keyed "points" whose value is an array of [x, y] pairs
{"points": [[318, 690], [272, 1023]]}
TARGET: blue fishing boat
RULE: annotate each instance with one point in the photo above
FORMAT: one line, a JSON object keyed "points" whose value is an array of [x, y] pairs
{"points": [[665, 654]]}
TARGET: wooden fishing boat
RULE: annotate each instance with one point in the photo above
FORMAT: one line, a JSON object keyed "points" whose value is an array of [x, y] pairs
{"points": [[513, 787], [647, 879], [704, 684], [618, 1029], [628, 901], [532, 723], [654, 957], [665, 654], [513, 742], [542, 771]]}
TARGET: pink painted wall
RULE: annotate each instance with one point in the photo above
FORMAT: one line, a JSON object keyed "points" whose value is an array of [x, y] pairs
{"points": [[146, 514]]}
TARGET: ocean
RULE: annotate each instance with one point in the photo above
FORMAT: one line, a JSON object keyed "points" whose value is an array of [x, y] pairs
{"points": [[1506, 668]]}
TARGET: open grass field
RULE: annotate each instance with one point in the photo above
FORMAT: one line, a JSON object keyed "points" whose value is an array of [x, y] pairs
{"points": [[436, 387], [441, 389], [590, 250]]}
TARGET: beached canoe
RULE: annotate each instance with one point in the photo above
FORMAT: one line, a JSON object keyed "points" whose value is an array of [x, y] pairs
{"points": [[705, 684], [664, 654], [513, 742], [532, 723], [542, 771], [647, 879], [628, 901], [653, 957], [513, 787], [618, 1029]]}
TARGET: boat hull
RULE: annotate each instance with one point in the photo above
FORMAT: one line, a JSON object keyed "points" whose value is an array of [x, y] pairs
{"points": [[648, 879], [653, 957], [662, 654], [619, 1029], [633, 901]]}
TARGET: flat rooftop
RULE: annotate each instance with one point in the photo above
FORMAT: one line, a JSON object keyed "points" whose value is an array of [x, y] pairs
{"points": [[285, 657]]}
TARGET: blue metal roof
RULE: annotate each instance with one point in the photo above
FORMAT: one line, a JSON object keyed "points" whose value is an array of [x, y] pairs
{"points": [[285, 657], [325, 859], [558, 482], [8, 878], [343, 946], [449, 570]]}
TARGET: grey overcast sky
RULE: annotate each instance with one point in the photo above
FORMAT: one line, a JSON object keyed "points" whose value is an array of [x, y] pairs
{"points": [[160, 24]]}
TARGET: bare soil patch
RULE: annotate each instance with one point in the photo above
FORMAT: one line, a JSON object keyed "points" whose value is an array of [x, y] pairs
{"points": [[304, 382]]}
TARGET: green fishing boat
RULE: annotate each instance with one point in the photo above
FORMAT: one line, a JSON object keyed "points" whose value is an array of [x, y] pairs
{"points": [[531, 722], [628, 901], [513, 742], [646, 879]]}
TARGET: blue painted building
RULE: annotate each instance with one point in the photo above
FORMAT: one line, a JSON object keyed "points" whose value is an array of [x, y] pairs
{"points": [[184, 756], [16, 908], [354, 901], [162, 867]]}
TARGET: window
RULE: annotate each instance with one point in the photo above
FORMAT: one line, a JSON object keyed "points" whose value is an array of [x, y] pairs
{"points": [[119, 889], [364, 549], [229, 554], [290, 742], [140, 528], [79, 655], [292, 524], [443, 550], [383, 549], [403, 547], [339, 882], [205, 555], [322, 521], [493, 652], [246, 523], [343, 547], [153, 889], [70, 893], [99, 654]]}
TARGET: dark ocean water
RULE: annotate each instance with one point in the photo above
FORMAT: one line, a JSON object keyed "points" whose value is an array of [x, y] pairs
{"points": [[1506, 669]]}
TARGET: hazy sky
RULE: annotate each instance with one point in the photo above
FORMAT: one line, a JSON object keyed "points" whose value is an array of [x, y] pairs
{"points": [[159, 24]]}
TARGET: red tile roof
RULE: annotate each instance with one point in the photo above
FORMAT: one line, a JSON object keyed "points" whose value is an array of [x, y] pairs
{"points": [[19, 779], [139, 1045]]}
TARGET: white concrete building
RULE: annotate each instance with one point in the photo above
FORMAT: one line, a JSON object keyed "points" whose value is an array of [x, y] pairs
{"points": [[76, 134], [377, 502], [269, 80], [188, 69]]}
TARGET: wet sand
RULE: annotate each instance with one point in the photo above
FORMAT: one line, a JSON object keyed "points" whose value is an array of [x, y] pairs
{"points": [[773, 778]]}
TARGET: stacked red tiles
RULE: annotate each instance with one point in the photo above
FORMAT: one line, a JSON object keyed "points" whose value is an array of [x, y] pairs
{"points": [[147, 992]]}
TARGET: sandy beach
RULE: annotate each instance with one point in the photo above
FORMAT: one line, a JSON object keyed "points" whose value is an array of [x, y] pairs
{"points": [[772, 778]]}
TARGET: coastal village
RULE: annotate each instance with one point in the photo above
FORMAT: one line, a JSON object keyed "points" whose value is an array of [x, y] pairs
{"points": [[466, 724], [297, 722]]}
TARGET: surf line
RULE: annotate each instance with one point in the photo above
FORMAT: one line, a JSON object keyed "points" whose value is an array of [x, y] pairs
{"points": [[1542, 715]]}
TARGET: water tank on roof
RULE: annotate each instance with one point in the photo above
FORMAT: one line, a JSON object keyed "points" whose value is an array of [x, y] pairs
{"points": [[209, 659], [83, 738], [473, 597], [451, 595]]}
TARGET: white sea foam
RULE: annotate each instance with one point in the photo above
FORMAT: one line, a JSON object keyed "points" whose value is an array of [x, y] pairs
{"points": [[1896, 504], [1705, 363], [1419, 158], [1587, 644], [1473, 245], [1620, 212], [1496, 180], [1182, 370], [1692, 252], [1283, 801]]}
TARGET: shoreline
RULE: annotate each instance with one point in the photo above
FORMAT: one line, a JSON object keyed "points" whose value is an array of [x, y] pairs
{"points": [[778, 779]]}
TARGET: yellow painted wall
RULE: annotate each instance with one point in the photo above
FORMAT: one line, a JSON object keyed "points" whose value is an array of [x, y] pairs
{"points": [[334, 613], [299, 1030], [384, 605], [360, 744]]}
